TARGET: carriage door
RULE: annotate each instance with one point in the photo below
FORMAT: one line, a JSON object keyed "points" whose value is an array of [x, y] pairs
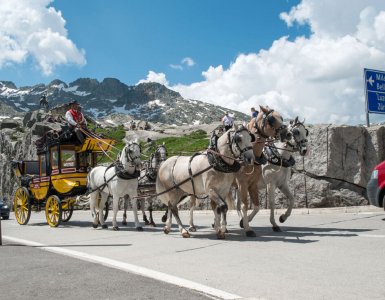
{"points": [[84, 159], [54, 161], [44, 179]]}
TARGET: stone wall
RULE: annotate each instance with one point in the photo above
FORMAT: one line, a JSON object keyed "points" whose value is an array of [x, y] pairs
{"points": [[338, 167], [334, 173]]}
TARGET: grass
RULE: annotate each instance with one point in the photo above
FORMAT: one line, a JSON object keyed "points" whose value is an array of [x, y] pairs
{"points": [[184, 145]]}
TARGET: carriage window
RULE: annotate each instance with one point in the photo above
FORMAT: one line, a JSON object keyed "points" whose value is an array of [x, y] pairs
{"points": [[31, 167], [68, 158], [84, 159], [54, 158], [43, 165]]}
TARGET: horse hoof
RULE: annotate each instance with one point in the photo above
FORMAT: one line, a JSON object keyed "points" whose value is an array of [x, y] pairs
{"points": [[116, 228], [192, 229], [152, 224], [250, 233], [140, 228], [147, 223], [221, 235], [104, 226], [281, 219], [226, 231], [241, 223], [124, 223], [186, 234], [277, 229], [95, 225], [212, 226], [166, 230], [164, 219]]}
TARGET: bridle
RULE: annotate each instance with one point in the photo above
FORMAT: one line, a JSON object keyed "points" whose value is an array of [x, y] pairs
{"points": [[234, 141], [128, 151], [299, 144], [267, 118]]}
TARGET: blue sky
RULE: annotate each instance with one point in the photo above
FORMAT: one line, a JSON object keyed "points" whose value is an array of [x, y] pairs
{"points": [[303, 58], [126, 39]]}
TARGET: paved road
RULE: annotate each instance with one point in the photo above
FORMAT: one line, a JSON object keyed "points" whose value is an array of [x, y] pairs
{"points": [[321, 254]]}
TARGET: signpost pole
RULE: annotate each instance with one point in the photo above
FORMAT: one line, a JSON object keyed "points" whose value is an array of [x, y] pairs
{"points": [[367, 120]]}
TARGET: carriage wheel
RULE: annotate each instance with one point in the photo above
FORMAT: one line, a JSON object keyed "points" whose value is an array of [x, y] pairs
{"points": [[22, 206], [67, 212], [53, 211]]}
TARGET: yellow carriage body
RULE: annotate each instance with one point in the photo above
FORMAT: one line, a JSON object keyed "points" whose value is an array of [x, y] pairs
{"points": [[59, 175]]}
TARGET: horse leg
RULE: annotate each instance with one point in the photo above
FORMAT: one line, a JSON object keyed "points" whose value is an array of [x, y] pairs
{"points": [[135, 211], [271, 196], [102, 203], [125, 207], [115, 208], [152, 223], [238, 201], [220, 212], [254, 197], [185, 233], [164, 217], [142, 207], [168, 220], [285, 190], [192, 227], [93, 200], [245, 205]]}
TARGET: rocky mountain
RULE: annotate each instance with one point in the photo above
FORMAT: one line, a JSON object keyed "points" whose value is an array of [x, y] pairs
{"points": [[146, 101]]}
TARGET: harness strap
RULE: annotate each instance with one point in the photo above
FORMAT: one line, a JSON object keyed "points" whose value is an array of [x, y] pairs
{"points": [[190, 172]]}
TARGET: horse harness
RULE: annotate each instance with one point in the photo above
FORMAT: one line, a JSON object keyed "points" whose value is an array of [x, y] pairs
{"points": [[215, 160], [120, 172], [273, 157]]}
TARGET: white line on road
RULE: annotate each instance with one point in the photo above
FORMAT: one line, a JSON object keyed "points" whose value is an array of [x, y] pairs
{"points": [[130, 268]]}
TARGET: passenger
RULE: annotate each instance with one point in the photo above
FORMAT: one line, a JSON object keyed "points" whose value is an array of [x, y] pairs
{"points": [[227, 121], [76, 120], [254, 113]]}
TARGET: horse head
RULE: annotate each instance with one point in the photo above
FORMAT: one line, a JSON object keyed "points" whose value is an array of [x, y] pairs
{"points": [[160, 153], [154, 162], [268, 123], [299, 133], [130, 155], [240, 139]]}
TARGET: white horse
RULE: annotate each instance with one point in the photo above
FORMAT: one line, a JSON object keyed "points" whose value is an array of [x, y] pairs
{"points": [[147, 181], [277, 172], [209, 173], [120, 180], [268, 124]]}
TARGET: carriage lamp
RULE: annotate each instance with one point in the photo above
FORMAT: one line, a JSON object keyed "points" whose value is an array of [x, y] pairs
{"points": [[5, 206]]}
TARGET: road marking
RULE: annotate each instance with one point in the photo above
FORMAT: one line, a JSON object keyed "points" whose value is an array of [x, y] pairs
{"points": [[130, 268], [372, 235]]}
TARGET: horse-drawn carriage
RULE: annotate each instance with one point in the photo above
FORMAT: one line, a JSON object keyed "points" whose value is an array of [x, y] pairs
{"points": [[53, 181]]}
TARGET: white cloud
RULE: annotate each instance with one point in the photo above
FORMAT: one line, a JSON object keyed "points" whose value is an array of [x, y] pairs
{"points": [[177, 67], [319, 78], [187, 61], [155, 77], [32, 29]]}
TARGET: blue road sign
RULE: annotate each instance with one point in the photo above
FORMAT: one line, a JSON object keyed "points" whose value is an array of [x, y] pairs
{"points": [[375, 91]]}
